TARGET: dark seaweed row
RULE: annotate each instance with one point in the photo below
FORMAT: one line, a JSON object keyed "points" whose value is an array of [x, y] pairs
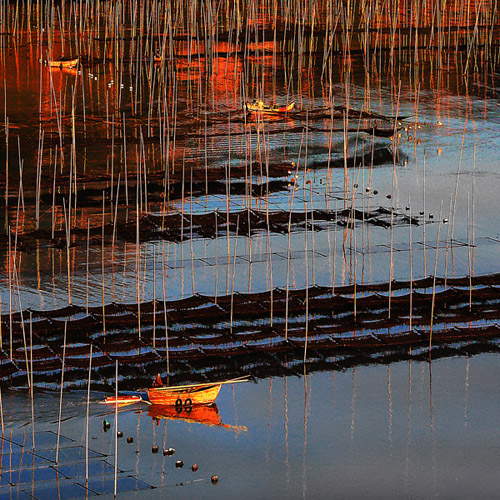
{"points": [[180, 227], [210, 333]]}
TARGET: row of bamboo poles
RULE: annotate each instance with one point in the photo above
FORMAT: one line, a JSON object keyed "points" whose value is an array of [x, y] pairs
{"points": [[129, 34]]}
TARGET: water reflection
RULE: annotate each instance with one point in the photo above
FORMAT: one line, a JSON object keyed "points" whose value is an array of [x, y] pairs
{"points": [[300, 449], [199, 414]]}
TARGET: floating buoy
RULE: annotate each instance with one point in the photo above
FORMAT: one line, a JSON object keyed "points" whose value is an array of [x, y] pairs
{"points": [[154, 449], [389, 196], [179, 464], [214, 479], [130, 439], [375, 191], [194, 467]]}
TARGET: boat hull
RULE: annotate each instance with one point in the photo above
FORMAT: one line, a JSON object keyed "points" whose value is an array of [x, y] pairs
{"points": [[64, 63], [188, 396]]}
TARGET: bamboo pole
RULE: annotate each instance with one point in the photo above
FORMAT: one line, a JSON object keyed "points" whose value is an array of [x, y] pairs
{"points": [[116, 430], [32, 390], [61, 393], [434, 278], [87, 421], [102, 270]]}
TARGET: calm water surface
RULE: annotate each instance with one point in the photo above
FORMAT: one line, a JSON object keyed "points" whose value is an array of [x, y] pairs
{"points": [[406, 430], [403, 430]]}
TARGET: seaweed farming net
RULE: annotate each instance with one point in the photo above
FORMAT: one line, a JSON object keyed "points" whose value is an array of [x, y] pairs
{"points": [[200, 336]]}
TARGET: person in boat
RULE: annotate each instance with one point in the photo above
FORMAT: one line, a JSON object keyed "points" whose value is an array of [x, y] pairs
{"points": [[158, 382], [258, 103]]}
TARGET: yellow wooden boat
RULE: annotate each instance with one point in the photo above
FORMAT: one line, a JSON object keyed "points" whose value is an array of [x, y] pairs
{"points": [[189, 395], [64, 62], [259, 106]]}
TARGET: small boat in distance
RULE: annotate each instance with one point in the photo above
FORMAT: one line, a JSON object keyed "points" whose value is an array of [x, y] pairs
{"points": [[63, 62], [259, 106], [189, 395], [122, 400]]}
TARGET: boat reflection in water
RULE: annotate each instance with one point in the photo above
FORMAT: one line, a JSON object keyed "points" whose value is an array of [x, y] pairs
{"points": [[201, 414]]}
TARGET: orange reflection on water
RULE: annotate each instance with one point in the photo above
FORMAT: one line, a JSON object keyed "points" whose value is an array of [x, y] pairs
{"points": [[199, 414]]}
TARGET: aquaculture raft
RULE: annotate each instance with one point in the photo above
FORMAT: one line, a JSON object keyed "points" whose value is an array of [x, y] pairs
{"points": [[218, 338]]}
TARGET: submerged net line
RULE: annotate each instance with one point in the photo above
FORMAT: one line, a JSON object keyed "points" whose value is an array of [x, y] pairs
{"points": [[206, 333], [99, 180], [193, 179], [178, 227]]}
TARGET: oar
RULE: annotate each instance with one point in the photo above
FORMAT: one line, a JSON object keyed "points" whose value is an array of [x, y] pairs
{"points": [[244, 378]]}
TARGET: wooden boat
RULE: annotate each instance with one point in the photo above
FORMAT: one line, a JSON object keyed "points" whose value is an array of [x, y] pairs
{"points": [[184, 395], [259, 106], [123, 400], [63, 62], [201, 414], [189, 395]]}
